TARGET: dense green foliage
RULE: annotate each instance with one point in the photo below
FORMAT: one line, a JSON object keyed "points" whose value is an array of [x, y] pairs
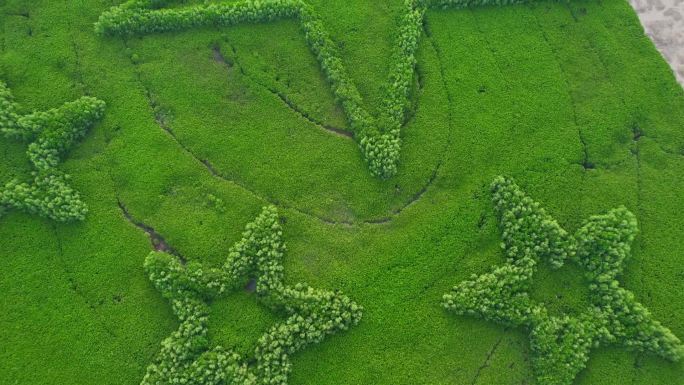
{"points": [[51, 134], [186, 356], [204, 127], [560, 346]]}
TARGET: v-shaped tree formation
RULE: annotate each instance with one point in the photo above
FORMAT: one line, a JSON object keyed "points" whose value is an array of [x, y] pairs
{"points": [[311, 314], [377, 136]]}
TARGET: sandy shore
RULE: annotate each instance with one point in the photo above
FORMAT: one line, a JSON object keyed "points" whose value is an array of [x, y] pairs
{"points": [[663, 21]]}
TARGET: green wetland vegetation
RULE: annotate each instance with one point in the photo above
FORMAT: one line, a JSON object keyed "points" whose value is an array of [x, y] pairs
{"points": [[310, 192]]}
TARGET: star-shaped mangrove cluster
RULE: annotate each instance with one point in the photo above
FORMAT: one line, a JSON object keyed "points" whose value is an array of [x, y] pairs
{"points": [[186, 357], [377, 136], [50, 135], [560, 344]]}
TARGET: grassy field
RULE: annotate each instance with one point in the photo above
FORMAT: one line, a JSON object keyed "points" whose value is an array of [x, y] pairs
{"points": [[205, 127]]}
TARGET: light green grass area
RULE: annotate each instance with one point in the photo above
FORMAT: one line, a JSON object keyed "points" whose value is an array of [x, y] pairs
{"points": [[569, 99]]}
